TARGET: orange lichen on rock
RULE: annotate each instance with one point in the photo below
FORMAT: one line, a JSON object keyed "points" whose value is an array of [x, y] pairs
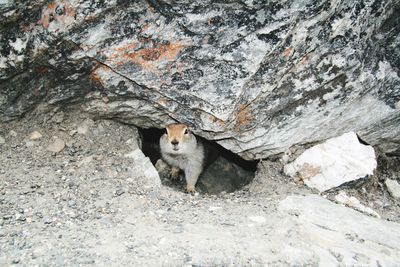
{"points": [[148, 58], [52, 6], [94, 75], [243, 117], [163, 101], [216, 120], [304, 60], [288, 52], [65, 18], [307, 171]]}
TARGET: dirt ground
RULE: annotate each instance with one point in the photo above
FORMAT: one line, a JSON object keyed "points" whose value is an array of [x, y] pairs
{"points": [[82, 205]]}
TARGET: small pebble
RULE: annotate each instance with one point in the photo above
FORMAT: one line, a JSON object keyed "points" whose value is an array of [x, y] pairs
{"points": [[71, 204], [119, 192], [20, 217], [72, 132], [59, 117], [393, 187], [257, 219], [83, 128], [57, 146], [99, 157], [35, 135]]}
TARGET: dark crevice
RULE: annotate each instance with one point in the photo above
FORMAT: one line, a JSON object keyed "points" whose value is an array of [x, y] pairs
{"points": [[361, 140]]}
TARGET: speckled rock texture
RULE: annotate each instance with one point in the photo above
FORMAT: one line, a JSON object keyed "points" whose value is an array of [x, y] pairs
{"points": [[260, 77]]}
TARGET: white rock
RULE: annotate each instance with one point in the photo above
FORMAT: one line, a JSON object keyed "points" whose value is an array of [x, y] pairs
{"points": [[35, 135], [83, 128], [85, 161], [257, 219], [13, 133], [334, 162], [30, 143], [145, 170], [213, 208], [57, 146], [393, 187], [353, 202], [2, 139]]}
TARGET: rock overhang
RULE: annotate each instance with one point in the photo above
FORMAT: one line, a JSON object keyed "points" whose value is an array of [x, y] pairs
{"points": [[258, 79]]}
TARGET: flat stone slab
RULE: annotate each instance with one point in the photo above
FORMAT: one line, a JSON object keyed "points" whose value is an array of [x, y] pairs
{"points": [[339, 235]]}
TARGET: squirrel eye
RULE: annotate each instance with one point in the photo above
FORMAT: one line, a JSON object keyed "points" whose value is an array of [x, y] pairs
{"points": [[186, 131]]}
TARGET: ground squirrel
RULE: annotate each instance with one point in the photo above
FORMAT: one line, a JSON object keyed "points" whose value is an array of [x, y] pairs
{"points": [[183, 151]]}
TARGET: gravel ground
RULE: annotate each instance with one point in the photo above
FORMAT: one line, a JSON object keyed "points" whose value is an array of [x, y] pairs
{"points": [[69, 197]]}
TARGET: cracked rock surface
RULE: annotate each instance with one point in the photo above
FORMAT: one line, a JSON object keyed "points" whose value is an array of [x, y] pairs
{"points": [[259, 77]]}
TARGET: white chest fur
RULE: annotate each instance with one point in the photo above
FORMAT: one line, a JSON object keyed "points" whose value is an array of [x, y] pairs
{"points": [[189, 158]]}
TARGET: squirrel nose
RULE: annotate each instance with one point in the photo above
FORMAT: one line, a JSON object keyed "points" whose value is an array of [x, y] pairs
{"points": [[174, 142]]}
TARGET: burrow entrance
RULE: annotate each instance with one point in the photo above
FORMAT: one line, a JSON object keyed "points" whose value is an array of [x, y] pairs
{"points": [[228, 172]]}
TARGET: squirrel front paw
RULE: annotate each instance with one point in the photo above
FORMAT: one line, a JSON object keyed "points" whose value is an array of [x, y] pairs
{"points": [[174, 173], [190, 189]]}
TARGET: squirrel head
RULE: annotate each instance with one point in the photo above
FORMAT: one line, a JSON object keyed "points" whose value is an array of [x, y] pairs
{"points": [[178, 139]]}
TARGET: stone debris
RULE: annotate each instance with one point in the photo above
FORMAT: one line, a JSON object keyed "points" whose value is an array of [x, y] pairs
{"points": [[214, 208], [152, 179], [85, 161], [354, 203], [84, 127], [56, 146], [257, 219], [58, 117], [2, 139], [99, 157], [35, 135], [30, 143], [72, 132], [334, 162], [393, 187]]}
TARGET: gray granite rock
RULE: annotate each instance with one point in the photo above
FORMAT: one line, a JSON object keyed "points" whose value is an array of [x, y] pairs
{"points": [[56, 146], [257, 77], [340, 236], [393, 187]]}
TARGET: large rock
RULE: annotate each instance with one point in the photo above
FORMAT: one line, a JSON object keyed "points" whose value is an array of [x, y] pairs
{"points": [[334, 162], [259, 77]]}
